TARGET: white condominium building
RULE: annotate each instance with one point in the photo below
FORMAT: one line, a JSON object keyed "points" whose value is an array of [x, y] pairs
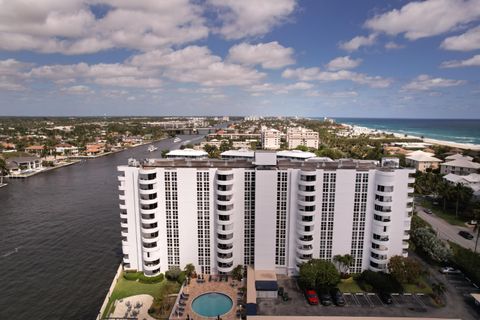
{"points": [[302, 137], [266, 212], [270, 139]]}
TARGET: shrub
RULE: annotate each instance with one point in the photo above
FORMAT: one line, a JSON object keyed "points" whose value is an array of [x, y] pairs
{"points": [[427, 242], [181, 277], [144, 279], [131, 275], [318, 273], [379, 282], [467, 261], [173, 274]]}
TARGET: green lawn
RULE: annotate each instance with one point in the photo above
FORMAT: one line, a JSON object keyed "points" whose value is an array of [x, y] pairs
{"points": [[127, 288], [349, 285], [423, 287], [439, 212]]}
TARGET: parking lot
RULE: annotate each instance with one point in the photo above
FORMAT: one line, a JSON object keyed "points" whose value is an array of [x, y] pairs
{"points": [[462, 284], [357, 304]]}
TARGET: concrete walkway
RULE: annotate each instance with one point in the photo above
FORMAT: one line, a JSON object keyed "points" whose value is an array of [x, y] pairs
{"points": [[445, 230]]}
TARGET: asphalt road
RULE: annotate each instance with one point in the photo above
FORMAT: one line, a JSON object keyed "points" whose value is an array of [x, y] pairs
{"points": [[447, 231]]}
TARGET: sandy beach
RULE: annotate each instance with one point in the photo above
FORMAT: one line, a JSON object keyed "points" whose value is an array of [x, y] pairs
{"points": [[358, 130]]}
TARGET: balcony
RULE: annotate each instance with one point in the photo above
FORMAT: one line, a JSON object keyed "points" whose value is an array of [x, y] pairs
{"points": [[305, 221], [224, 248], [121, 178], [303, 232], [305, 241], [305, 250]]}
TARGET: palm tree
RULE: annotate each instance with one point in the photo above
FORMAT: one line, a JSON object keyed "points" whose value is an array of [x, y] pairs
{"points": [[439, 288], [477, 227], [3, 169], [462, 194]]}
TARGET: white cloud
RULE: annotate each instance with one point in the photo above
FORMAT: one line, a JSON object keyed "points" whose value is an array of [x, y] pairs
{"points": [[198, 65], [334, 94], [340, 63], [358, 42], [299, 86], [70, 27], [187, 58], [270, 55], [79, 89], [469, 40], [310, 74], [218, 74], [8, 84], [472, 62], [249, 18], [12, 74], [114, 74], [425, 83], [422, 19], [393, 45]]}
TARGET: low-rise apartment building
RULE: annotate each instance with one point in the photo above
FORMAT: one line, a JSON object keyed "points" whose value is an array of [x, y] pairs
{"points": [[302, 137]]}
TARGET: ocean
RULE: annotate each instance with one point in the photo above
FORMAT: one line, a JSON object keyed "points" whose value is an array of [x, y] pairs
{"points": [[454, 130]]}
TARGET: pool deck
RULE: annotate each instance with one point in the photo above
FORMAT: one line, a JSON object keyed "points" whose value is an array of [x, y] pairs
{"points": [[195, 289]]}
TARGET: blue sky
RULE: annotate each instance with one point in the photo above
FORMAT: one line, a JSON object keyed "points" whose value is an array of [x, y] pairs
{"points": [[409, 59]]}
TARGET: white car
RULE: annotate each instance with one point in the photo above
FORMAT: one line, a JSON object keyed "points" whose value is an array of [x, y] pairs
{"points": [[450, 270]]}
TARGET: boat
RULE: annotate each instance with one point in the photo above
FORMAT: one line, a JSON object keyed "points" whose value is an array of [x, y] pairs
{"points": [[152, 148], [177, 139]]}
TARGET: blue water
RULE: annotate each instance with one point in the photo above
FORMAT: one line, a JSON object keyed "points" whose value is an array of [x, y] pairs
{"points": [[455, 130], [212, 304]]}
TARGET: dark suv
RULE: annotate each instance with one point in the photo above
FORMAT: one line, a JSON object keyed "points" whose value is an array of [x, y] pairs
{"points": [[337, 297], [466, 235], [324, 297]]}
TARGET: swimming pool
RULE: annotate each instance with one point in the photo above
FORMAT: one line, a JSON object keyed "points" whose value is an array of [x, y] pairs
{"points": [[212, 304]]}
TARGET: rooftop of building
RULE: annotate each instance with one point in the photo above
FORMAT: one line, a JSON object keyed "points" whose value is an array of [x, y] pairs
{"points": [[422, 156], [187, 152], [457, 156], [463, 163], [281, 164]]}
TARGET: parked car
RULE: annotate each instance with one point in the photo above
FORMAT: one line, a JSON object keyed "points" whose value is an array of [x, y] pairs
{"points": [[466, 235], [311, 296], [385, 297], [325, 298], [428, 211], [337, 297], [450, 270]]}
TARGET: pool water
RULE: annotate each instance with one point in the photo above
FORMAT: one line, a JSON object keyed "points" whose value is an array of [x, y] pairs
{"points": [[212, 304]]}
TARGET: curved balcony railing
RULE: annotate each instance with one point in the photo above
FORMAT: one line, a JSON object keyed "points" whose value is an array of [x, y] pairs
{"points": [[303, 221], [225, 267], [304, 250]]}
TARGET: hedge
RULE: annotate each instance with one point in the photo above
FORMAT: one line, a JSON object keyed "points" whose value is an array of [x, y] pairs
{"points": [[132, 275], [144, 279], [379, 282], [467, 261], [181, 277]]}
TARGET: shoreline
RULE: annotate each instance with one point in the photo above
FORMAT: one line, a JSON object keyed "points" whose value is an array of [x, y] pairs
{"points": [[75, 160], [365, 130]]}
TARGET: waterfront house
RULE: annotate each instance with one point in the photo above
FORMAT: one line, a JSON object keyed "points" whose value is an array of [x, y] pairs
{"points": [[22, 165], [92, 149], [66, 149], [35, 149]]}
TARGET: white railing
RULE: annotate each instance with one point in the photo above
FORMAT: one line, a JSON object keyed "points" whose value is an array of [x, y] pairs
{"points": [[109, 293]]}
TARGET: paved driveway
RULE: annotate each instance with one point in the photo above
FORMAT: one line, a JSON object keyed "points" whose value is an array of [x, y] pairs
{"points": [[445, 230]]}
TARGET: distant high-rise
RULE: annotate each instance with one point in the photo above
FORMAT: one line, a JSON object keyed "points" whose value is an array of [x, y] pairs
{"points": [[272, 214], [270, 139], [302, 137]]}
